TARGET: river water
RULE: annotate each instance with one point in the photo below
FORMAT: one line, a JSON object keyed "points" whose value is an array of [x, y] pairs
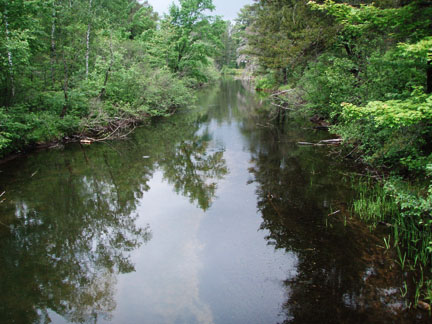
{"points": [[215, 215]]}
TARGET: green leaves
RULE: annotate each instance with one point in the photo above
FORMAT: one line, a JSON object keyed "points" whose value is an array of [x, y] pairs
{"points": [[193, 38], [391, 113]]}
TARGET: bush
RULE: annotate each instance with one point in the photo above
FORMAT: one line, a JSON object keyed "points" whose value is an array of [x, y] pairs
{"points": [[267, 82], [146, 92], [396, 133], [20, 128], [327, 83]]}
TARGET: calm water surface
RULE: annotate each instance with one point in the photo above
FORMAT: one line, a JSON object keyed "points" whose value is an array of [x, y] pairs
{"points": [[213, 216]]}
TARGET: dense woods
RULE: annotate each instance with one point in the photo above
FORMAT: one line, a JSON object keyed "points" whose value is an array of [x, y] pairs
{"points": [[97, 67], [365, 69]]}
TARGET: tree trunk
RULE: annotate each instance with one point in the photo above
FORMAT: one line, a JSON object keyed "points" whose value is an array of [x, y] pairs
{"points": [[65, 88], [53, 45], [88, 40], [429, 75], [285, 75], [10, 58], [87, 50], [103, 90]]}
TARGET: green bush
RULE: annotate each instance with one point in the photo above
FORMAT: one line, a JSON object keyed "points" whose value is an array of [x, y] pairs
{"points": [[146, 92], [396, 133], [327, 83], [20, 128], [267, 82]]}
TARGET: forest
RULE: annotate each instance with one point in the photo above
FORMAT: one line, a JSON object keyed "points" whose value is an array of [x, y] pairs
{"points": [[95, 68]]}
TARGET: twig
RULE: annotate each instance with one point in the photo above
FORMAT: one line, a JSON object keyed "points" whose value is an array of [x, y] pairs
{"points": [[281, 92], [334, 213], [349, 154], [280, 106]]}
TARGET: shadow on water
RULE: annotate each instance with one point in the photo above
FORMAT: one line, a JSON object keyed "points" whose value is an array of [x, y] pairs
{"points": [[72, 219]]}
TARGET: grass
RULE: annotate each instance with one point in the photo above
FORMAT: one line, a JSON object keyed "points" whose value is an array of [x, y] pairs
{"points": [[373, 204], [407, 213]]}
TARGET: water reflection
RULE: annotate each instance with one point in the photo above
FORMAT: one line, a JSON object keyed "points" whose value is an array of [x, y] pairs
{"points": [[338, 260], [193, 172], [69, 221], [232, 212]]}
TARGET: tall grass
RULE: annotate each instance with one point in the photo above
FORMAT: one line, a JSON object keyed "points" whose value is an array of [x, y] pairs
{"points": [[407, 212], [373, 204]]}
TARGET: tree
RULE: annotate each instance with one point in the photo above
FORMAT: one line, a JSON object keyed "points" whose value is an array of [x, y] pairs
{"points": [[194, 37], [286, 34]]}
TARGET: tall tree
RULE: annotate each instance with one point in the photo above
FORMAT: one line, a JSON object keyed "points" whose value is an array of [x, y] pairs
{"points": [[194, 37]]}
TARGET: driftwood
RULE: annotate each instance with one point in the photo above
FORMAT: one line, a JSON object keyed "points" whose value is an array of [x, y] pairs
{"points": [[331, 141], [100, 127], [309, 143], [334, 141], [86, 141]]}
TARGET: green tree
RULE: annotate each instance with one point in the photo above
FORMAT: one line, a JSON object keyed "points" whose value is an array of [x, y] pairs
{"points": [[194, 37]]}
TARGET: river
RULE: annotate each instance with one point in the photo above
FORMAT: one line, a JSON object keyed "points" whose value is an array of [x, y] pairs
{"points": [[215, 215]]}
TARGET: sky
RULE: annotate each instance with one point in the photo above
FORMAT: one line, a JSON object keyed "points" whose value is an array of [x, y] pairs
{"points": [[226, 8]]}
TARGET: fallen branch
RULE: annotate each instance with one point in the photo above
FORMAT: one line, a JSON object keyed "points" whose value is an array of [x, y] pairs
{"points": [[335, 141], [309, 143], [349, 154], [331, 141], [281, 92], [334, 213], [280, 106]]}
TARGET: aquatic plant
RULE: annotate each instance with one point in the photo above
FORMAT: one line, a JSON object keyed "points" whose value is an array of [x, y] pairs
{"points": [[406, 210]]}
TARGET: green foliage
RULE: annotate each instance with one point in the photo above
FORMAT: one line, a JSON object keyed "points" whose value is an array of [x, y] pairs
{"points": [[147, 92], [284, 35], [67, 65], [373, 203], [193, 37], [367, 69], [324, 90], [393, 132], [265, 83], [20, 128]]}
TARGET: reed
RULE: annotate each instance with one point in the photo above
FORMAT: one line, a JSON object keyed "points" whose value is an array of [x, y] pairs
{"points": [[406, 210]]}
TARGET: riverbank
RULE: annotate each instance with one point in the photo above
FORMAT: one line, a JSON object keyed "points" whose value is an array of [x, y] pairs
{"points": [[384, 198]]}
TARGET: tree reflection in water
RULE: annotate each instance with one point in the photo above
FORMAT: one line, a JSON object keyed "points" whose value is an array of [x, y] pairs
{"points": [[69, 234], [193, 172], [335, 272], [69, 222]]}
